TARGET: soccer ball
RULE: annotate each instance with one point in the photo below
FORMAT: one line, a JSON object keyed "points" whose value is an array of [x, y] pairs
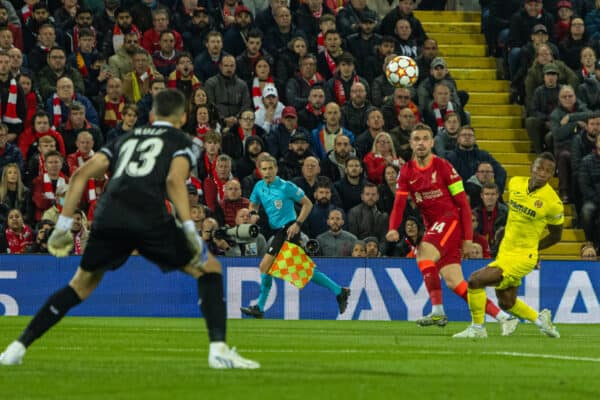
{"points": [[402, 71]]}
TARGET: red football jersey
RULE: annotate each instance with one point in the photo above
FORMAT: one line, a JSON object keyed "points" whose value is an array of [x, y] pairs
{"points": [[430, 188]]}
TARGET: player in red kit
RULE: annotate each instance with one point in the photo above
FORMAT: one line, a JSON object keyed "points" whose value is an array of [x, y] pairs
{"points": [[437, 190]]}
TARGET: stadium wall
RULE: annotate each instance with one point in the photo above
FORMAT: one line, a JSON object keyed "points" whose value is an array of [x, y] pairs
{"points": [[382, 289]]}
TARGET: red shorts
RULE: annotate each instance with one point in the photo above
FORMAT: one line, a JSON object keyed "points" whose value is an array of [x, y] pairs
{"points": [[447, 236]]}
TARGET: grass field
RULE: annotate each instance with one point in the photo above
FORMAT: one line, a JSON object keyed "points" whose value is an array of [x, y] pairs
{"points": [[150, 358]]}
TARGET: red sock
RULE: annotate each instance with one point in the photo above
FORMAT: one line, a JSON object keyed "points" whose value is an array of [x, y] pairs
{"points": [[490, 307], [431, 277]]}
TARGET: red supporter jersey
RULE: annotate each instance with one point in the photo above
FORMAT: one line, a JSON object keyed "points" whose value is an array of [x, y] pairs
{"points": [[430, 188]]}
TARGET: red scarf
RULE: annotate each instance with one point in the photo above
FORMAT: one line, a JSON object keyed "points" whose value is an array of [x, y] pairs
{"points": [[49, 191], [487, 225], [438, 114], [226, 13], [220, 188], [175, 77], [210, 167], [330, 63], [257, 92], [201, 131], [91, 184], [320, 42], [77, 242], [413, 249], [316, 78], [76, 36], [17, 242], [26, 12], [119, 37], [113, 112], [242, 135], [57, 110], [338, 89], [586, 73], [10, 116], [311, 110]]}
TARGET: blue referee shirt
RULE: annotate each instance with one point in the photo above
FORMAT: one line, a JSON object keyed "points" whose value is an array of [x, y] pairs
{"points": [[278, 200]]}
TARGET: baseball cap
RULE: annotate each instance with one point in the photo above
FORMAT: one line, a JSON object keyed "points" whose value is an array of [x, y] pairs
{"points": [[539, 28], [289, 111], [368, 16], [298, 135], [551, 68], [242, 8], [269, 90], [564, 4], [438, 61]]}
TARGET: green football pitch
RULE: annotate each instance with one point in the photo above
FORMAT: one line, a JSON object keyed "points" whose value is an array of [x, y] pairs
{"points": [[152, 358]]}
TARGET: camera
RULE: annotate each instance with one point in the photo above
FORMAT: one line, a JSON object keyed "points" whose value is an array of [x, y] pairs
{"points": [[312, 247], [243, 233]]}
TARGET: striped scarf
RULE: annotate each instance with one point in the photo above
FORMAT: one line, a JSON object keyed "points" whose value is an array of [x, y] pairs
{"points": [[119, 37], [113, 112], [49, 191], [330, 63], [320, 42], [176, 76], [91, 183], [26, 12], [10, 116], [57, 110], [439, 120], [243, 136], [257, 92]]}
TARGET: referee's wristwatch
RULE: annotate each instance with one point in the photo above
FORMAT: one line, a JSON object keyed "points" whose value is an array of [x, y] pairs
{"points": [[299, 223]]}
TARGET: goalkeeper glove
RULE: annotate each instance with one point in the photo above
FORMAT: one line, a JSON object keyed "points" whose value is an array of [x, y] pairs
{"points": [[60, 242], [196, 245]]}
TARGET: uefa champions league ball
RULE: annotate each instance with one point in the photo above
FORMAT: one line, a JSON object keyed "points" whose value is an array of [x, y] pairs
{"points": [[402, 71]]}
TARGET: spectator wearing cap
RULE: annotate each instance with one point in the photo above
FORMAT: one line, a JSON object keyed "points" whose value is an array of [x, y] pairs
{"points": [[438, 72], [535, 75], [236, 34], [363, 46], [279, 35], [567, 117], [327, 60], [570, 48], [589, 91], [235, 138], [539, 35], [563, 23], [269, 112], [290, 164], [323, 137], [195, 29], [338, 87], [541, 105], [228, 92], [278, 138], [336, 242], [348, 19], [521, 25], [592, 23]]}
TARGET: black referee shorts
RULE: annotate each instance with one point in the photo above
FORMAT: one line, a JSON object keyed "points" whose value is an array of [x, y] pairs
{"points": [[279, 237]]}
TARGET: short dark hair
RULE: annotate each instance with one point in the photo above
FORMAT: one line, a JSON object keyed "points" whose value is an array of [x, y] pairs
{"points": [[53, 153], [323, 182], [368, 184], [184, 54], [255, 33], [167, 32], [490, 185], [388, 39], [352, 158], [422, 127], [546, 155], [169, 103], [86, 32], [130, 107]]}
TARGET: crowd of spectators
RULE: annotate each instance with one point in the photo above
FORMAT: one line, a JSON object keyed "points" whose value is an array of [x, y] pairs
{"points": [[550, 52], [301, 80]]}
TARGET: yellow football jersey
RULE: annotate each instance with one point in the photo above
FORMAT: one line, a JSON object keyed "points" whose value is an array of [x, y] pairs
{"points": [[528, 215]]}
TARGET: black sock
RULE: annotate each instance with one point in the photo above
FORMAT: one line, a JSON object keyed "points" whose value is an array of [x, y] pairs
{"points": [[55, 308], [212, 304]]}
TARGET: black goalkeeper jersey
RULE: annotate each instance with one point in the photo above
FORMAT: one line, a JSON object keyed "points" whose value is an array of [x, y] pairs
{"points": [[139, 164]]}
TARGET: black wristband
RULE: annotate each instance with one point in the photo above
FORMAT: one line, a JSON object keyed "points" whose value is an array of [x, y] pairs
{"points": [[297, 222]]}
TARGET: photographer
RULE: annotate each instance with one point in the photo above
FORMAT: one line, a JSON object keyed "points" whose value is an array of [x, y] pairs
{"points": [[40, 245], [216, 246], [242, 244]]}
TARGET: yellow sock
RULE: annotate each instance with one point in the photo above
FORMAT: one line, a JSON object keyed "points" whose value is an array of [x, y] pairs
{"points": [[524, 311], [477, 299]]}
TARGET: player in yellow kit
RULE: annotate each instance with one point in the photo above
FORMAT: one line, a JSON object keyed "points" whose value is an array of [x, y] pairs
{"points": [[533, 206]]}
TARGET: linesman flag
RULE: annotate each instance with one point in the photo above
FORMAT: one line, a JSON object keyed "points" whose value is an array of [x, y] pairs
{"points": [[293, 265]]}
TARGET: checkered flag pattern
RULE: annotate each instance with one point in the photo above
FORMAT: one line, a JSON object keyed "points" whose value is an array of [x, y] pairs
{"points": [[293, 265]]}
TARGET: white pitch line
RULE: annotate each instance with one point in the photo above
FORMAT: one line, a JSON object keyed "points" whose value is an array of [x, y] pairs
{"points": [[337, 351]]}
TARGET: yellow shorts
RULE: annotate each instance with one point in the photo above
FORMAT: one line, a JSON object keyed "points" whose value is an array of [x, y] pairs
{"points": [[514, 267]]}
